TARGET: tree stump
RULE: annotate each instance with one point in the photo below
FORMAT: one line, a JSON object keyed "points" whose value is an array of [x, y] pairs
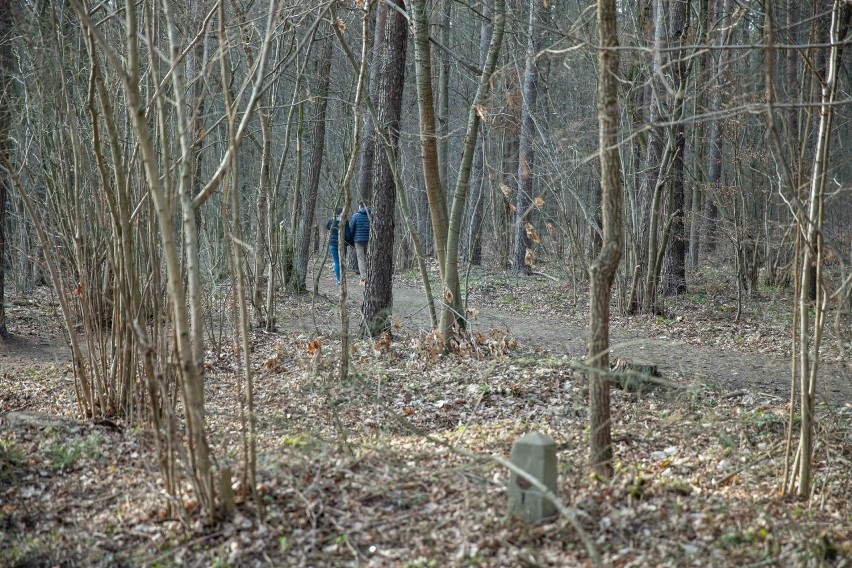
{"points": [[633, 375]]}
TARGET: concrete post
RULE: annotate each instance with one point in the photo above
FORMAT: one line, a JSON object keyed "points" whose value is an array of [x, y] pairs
{"points": [[534, 453]]}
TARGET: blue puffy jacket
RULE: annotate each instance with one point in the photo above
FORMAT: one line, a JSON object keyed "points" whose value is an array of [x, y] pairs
{"points": [[361, 226], [332, 225]]}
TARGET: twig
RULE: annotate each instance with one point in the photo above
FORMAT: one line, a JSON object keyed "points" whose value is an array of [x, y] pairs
{"points": [[545, 275]]}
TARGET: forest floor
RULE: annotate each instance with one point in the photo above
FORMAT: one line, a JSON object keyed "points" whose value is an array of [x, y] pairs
{"points": [[395, 467]]}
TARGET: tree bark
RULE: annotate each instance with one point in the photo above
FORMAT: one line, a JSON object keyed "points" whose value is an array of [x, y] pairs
{"points": [[602, 270], [5, 119], [302, 244], [812, 261], [696, 206], [428, 135], [502, 204], [442, 111], [477, 205], [477, 174], [263, 208], [676, 273], [714, 140], [655, 166], [452, 313], [389, 63], [368, 142], [522, 257]]}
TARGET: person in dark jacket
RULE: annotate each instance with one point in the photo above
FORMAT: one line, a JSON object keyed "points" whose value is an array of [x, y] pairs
{"points": [[333, 227], [360, 227]]}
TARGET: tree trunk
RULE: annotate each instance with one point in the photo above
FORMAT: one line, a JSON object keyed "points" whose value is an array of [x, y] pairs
{"points": [[196, 97], [5, 116], [477, 205], [602, 270], [502, 204], [390, 80], [428, 145], [648, 197], [714, 140], [453, 313], [676, 273], [264, 205], [446, 228], [477, 173], [595, 239], [812, 262], [442, 112], [698, 144], [302, 243], [295, 201], [522, 258], [655, 166], [368, 142]]}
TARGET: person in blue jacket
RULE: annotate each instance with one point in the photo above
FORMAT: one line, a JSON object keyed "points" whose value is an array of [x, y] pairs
{"points": [[333, 227], [360, 226]]}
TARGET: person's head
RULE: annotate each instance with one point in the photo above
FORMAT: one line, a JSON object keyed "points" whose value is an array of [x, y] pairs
{"points": [[362, 204], [338, 211]]}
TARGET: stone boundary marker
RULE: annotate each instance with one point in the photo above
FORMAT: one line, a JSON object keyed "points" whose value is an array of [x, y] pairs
{"points": [[534, 453]]}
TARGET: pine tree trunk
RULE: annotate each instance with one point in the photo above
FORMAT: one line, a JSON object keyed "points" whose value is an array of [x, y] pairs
{"points": [[389, 61], [676, 273]]}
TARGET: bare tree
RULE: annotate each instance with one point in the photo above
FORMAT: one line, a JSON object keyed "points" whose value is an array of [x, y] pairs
{"points": [[523, 255], [811, 313], [446, 225], [602, 270], [389, 61], [5, 116], [678, 26], [442, 18], [302, 237], [478, 177], [714, 136]]}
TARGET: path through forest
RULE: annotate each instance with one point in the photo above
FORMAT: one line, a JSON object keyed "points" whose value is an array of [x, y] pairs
{"points": [[687, 365]]}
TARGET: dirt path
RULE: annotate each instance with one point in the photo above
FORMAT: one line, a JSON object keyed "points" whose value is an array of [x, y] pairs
{"points": [[691, 365]]}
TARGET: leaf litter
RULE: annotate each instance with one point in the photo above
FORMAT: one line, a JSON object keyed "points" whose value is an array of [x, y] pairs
{"points": [[378, 471]]}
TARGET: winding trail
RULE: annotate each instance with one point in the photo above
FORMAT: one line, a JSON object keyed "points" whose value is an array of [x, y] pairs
{"points": [[689, 365], [728, 370]]}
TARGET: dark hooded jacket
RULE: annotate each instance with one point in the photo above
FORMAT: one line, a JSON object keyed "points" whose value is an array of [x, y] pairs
{"points": [[360, 226], [332, 226]]}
